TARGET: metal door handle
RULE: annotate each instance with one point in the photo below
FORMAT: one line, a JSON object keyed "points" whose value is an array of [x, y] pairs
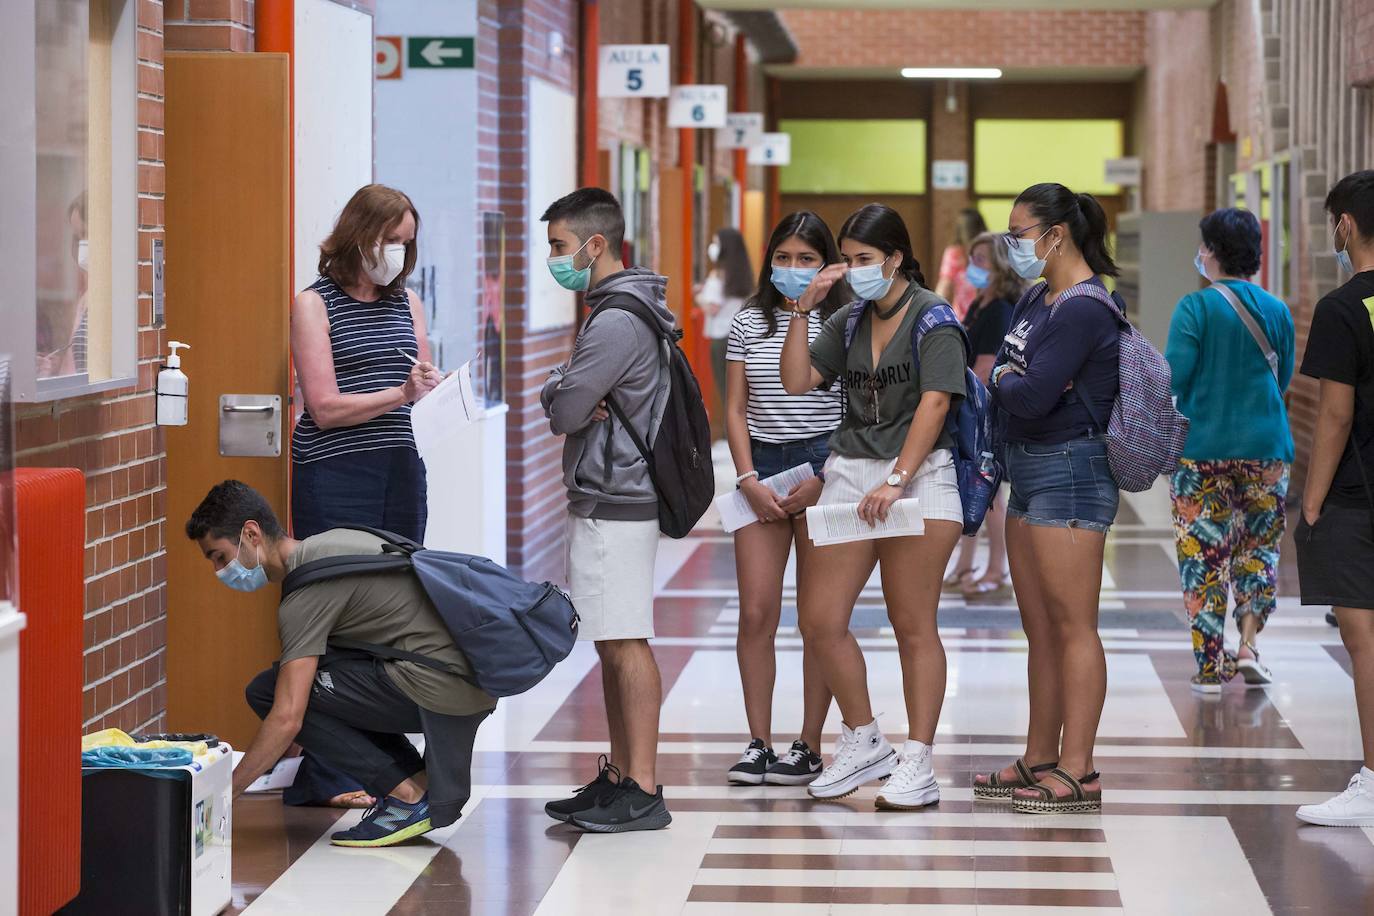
{"points": [[254, 408]]}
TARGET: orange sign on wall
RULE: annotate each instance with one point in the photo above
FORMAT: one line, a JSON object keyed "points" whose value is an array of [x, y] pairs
{"points": [[387, 55]]}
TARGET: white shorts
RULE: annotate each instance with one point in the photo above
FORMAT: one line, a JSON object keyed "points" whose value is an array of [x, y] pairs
{"points": [[611, 577], [935, 485]]}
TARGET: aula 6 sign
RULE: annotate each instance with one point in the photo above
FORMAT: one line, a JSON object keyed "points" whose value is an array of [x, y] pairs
{"points": [[697, 106], [633, 71]]}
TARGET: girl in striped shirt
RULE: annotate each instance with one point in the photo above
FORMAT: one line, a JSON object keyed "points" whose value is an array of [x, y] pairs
{"points": [[770, 432]]}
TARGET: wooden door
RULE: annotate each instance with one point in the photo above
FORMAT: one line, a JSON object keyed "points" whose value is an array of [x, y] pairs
{"points": [[228, 287]]}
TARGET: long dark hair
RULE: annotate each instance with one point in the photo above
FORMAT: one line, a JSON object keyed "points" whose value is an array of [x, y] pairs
{"points": [[736, 274], [882, 228], [812, 230], [1052, 203]]}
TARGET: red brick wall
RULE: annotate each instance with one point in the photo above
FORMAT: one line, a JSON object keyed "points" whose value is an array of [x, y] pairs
{"points": [[953, 37], [1179, 94], [112, 439], [1359, 31], [209, 25], [512, 42]]}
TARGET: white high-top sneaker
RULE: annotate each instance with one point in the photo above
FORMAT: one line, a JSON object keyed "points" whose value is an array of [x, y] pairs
{"points": [[1352, 808], [912, 784], [862, 755]]}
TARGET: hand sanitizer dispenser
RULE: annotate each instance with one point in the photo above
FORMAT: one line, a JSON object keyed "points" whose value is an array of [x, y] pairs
{"points": [[171, 388]]}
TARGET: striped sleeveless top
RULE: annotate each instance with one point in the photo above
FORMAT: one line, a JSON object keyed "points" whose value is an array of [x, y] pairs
{"points": [[364, 337]]}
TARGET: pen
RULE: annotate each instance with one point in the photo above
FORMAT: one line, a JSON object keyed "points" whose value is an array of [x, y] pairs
{"points": [[408, 356]]}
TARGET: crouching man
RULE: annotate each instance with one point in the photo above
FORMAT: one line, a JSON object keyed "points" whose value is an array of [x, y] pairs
{"points": [[351, 709]]}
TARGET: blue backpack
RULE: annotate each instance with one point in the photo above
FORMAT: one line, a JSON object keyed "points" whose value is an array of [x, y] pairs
{"points": [[970, 425], [513, 632]]}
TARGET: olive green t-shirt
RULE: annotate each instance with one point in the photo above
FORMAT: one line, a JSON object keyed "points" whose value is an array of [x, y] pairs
{"points": [[388, 609], [896, 387]]}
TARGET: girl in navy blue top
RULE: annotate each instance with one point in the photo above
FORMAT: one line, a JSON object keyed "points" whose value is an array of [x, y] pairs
{"points": [[1055, 383]]}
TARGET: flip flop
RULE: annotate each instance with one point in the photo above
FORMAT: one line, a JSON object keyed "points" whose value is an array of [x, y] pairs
{"points": [[955, 581]]}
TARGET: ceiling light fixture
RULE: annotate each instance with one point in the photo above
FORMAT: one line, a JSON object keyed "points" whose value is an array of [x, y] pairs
{"points": [[951, 73]]}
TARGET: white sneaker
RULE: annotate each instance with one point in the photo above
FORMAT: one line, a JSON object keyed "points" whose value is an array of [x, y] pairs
{"points": [[861, 756], [1352, 808], [912, 784]]}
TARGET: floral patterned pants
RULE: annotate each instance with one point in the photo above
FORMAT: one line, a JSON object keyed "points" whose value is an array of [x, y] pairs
{"points": [[1228, 522]]}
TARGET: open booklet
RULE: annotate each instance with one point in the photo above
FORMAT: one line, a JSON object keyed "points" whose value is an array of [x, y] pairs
{"points": [[735, 511], [438, 418], [840, 523]]}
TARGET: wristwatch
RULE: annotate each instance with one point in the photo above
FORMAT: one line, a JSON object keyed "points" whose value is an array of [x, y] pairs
{"points": [[897, 478]]}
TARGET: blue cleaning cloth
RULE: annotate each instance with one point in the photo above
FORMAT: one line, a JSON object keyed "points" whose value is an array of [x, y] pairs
{"points": [[136, 757]]}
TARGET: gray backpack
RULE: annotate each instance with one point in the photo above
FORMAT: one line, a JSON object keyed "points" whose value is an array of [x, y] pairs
{"points": [[513, 632]]}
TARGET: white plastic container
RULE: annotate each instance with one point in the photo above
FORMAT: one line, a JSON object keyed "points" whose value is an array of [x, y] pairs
{"points": [[172, 387]]}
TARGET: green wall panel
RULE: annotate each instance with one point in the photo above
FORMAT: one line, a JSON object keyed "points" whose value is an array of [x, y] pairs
{"points": [[855, 157], [1011, 155]]}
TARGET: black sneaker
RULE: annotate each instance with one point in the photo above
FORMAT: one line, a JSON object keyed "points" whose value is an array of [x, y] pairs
{"points": [[756, 760], [797, 767], [627, 808], [607, 778]]}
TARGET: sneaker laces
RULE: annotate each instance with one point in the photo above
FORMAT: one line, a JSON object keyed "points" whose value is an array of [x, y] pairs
{"points": [[904, 774], [845, 749], [1356, 787], [603, 766], [797, 754], [752, 754]]}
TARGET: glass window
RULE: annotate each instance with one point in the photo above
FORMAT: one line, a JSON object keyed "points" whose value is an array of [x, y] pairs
{"points": [[63, 218], [855, 157]]}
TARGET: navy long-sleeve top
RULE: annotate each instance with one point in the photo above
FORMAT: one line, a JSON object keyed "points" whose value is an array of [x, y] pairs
{"points": [[1060, 353]]}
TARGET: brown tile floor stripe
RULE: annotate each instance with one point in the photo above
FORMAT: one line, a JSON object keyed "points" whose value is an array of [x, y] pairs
{"points": [[1342, 658], [1057, 864], [1237, 718], [268, 839], [906, 896], [986, 834], [503, 861], [582, 717]]}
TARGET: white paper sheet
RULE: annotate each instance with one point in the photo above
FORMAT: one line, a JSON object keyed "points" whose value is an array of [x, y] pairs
{"points": [[735, 511], [438, 416], [840, 523], [279, 777]]}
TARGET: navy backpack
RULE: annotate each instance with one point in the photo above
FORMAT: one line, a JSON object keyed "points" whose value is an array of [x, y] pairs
{"points": [[970, 425], [513, 632]]}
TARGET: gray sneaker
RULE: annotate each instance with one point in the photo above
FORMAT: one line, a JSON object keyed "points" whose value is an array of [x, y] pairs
{"points": [[627, 808]]}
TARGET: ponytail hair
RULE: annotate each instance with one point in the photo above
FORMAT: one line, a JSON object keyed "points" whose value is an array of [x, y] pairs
{"points": [[882, 228], [1053, 204]]}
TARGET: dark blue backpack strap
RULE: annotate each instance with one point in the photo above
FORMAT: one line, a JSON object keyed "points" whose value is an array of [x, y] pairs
{"points": [[396, 655], [851, 321], [338, 567], [939, 315]]}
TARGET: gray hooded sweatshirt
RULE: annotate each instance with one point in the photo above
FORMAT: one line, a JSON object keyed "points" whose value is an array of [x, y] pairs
{"points": [[616, 353]]}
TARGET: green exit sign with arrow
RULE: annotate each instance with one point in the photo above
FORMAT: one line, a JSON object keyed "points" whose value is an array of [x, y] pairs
{"points": [[439, 53]]}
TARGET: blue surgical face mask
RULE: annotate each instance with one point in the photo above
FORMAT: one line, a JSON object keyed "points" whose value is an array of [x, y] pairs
{"points": [[793, 281], [568, 276], [1023, 259], [869, 283], [1343, 254], [978, 277], [1201, 267], [239, 577]]}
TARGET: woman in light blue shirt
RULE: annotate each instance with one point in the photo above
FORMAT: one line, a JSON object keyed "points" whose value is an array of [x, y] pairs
{"points": [[1229, 377]]}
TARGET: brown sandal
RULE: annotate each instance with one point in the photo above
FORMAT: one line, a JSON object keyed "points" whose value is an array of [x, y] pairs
{"points": [[1045, 801], [992, 785]]}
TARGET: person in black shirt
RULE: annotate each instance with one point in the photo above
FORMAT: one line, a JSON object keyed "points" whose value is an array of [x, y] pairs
{"points": [[987, 322], [1335, 536]]}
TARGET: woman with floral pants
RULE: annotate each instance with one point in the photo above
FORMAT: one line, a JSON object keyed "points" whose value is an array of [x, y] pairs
{"points": [[1228, 522], [1231, 354]]}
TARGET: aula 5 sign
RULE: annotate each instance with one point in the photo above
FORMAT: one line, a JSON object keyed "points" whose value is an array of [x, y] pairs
{"points": [[633, 71]]}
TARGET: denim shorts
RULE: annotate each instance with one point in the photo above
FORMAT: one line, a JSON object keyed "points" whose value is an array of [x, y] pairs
{"points": [[1063, 485], [775, 457]]}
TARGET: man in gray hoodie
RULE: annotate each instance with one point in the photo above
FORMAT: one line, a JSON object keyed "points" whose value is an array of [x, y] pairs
{"points": [[612, 529]]}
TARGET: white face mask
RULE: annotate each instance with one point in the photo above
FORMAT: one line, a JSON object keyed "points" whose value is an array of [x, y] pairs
{"points": [[83, 254], [385, 263], [713, 251]]}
